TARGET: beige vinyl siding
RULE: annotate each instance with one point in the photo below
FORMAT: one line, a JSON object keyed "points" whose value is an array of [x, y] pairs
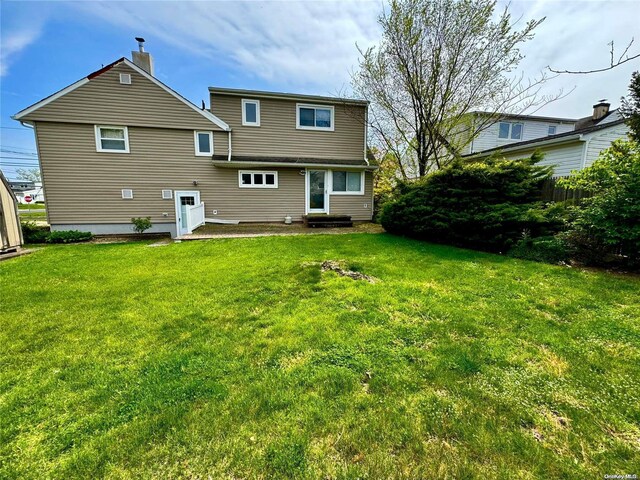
{"points": [[84, 186], [601, 140], [103, 100], [564, 157], [10, 236], [354, 205], [277, 135]]}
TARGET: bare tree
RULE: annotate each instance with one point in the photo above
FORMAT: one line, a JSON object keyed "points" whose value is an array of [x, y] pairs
{"points": [[438, 61], [613, 62], [30, 174]]}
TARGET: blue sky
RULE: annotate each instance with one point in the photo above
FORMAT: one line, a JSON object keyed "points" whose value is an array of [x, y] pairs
{"points": [[305, 47]]}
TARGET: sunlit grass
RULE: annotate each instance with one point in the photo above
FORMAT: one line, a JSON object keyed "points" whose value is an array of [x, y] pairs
{"points": [[239, 358]]}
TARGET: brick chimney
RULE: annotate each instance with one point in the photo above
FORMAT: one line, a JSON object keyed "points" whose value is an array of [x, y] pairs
{"points": [[141, 58], [600, 109]]}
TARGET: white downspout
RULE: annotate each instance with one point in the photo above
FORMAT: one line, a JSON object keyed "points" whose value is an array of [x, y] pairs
{"points": [[366, 132], [229, 156]]}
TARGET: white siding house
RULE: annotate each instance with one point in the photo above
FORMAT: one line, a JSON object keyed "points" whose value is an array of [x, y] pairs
{"points": [[518, 128], [573, 150]]}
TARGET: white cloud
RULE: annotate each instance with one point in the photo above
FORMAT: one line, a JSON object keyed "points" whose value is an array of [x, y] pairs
{"points": [[574, 36], [297, 44], [13, 42]]}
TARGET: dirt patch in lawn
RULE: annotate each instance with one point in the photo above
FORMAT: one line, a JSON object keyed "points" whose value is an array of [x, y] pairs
{"points": [[334, 266]]}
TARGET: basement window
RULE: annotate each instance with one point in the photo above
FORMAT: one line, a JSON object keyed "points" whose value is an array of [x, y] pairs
{"points": [[204, 144], [347, 183], [112, 139], [254, 179], [250, 113]]}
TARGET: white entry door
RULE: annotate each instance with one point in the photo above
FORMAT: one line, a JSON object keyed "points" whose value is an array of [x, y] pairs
{"points": [[184, 200], [317, 191]]}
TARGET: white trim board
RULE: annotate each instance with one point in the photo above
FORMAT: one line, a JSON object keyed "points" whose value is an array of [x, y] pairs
{"points": [[205, 113]]}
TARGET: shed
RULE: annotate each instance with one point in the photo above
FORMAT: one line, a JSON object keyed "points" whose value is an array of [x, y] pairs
{"points": [[10, 231]]}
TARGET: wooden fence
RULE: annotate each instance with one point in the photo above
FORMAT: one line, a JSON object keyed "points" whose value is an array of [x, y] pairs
{"points": [[551, 192]]}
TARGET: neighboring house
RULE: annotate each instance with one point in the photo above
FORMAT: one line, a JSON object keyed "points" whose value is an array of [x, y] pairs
{"points": [[569, 150], [10, 232], [120, 144], [512, 129], [27, 189]]}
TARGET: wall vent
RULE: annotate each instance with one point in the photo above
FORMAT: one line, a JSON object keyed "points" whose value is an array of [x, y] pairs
{"points": [[125, 78], [167, 195], [127, 193]]}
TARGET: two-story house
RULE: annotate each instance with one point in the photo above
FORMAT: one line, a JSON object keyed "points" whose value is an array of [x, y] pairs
{"points": [[567, 144], [119, 144]]}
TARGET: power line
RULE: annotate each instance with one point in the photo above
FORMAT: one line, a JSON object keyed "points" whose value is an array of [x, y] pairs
{"points": [[19, 148], [17, 158], [24, 129], [19, 153]]}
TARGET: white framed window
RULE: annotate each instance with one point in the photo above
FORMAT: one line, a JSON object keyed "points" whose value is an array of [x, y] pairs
{"points": [[509, 130], [112, 139], [552, 130], [204, 143], [167, 194], [127, 193], [314, 117], [344, 182], [256, 179], [250, 113], [125, 78]]}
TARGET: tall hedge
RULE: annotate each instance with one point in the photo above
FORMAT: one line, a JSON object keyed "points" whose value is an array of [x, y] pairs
{"points": [[486, 205]]}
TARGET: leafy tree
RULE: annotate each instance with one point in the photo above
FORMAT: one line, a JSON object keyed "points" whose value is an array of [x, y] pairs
{"points": [[385, 178], [485, 205], [630, 107], [609, 221], [438, 61], [29, 174]]}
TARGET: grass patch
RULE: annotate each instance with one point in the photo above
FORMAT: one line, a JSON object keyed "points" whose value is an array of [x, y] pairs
{"points": [[27, 215], [31, 206], [239, 358]]}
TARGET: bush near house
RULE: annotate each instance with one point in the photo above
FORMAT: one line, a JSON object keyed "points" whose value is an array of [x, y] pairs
{"points": [[140, 224], [34, 233], [485, 205], [68, 236], [605, 228]]}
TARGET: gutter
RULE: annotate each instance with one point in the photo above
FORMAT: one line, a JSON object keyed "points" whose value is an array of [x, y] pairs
{"points": [[230, 163]]}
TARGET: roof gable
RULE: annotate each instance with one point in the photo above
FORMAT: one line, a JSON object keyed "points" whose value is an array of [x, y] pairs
{"points": [[101, 98]]}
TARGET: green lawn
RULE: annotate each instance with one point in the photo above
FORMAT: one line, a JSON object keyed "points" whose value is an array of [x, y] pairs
{"points": [[31, 206], [239, 358]]}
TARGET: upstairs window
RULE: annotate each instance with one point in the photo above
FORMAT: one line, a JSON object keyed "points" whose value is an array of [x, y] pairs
{"points": [[344, 182], [250, 113], [552, 130], [204, 144], [255, 179], [112, 139], [314, 117], [510, 130]]}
